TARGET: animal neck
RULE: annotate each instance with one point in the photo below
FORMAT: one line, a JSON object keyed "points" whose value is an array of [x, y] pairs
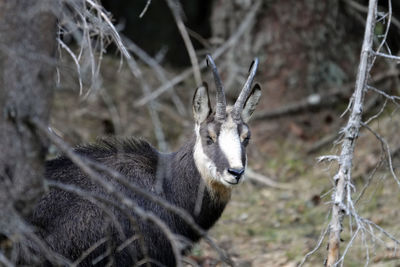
{"points": [[203, 199]]}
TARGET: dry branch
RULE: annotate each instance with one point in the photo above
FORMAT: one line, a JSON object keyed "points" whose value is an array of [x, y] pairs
{"points": [[364, 9], [158, 70], [343, 185], [5, 261], [111, 189], [98, 200], [90, 26], [176, 10], [145, 9], [155, 118]]}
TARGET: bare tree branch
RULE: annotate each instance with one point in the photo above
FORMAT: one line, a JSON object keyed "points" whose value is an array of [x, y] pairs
{"points": [[386, 147], [317, 246], [89, 167], [98, 200], [176, 10], [91, 27], [5, 261], [112, 190], [159, 133], [364, 9], [391, 57], [145, 9], [343, 177], [158, 70]]}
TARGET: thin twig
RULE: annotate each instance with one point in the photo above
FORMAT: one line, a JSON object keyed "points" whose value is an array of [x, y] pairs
{"points": [[348, 245], [377, 114], [391, 57], [158, 70], [392, 98], [324, 232], [114, 33], [127, 211], [364, 9], [388, 23], [91, 27], [158, 131], [43, 247], [76, 61], [381, 230], [145, 9], [387, 149], [145, 215], [89, 251], [369, 179]]}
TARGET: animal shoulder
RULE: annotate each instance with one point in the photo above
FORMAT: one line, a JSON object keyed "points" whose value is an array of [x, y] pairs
{"points": [[112, 151], [110, 146]]}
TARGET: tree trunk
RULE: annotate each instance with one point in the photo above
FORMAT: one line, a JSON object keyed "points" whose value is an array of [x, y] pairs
{"points": [[305, 47], [27, 64]]}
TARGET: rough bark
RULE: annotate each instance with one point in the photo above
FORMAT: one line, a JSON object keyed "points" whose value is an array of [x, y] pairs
{"points": [[27, 64]]}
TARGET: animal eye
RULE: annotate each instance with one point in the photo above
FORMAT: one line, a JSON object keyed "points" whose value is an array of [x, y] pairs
{"points": [[210, 141], [246, 141]]}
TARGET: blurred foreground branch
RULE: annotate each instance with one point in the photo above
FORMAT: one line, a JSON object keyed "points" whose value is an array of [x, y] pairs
{"points": [[93, 170]]}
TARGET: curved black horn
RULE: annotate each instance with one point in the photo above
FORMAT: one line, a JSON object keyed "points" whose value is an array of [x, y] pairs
{"points": [[220, 106], [244, 94]]}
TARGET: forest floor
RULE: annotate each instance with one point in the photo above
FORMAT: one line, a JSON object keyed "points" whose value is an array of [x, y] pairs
{"points": [[261, 226], [265, 226]]}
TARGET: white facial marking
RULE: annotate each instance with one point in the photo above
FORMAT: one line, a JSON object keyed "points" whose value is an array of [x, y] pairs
{"points": [[229, 142]]}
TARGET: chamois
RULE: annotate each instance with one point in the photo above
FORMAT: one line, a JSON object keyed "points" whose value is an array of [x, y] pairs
{"points": [[213, 160]]}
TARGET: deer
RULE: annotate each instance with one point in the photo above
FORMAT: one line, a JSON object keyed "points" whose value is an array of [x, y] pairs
{"points": [[214, 159]]}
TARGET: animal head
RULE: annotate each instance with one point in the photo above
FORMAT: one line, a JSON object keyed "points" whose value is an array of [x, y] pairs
{"points": [[222, 135]]}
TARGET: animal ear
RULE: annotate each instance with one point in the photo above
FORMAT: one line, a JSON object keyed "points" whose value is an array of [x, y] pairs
{"points": [[251, 102], [201, 104]]}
